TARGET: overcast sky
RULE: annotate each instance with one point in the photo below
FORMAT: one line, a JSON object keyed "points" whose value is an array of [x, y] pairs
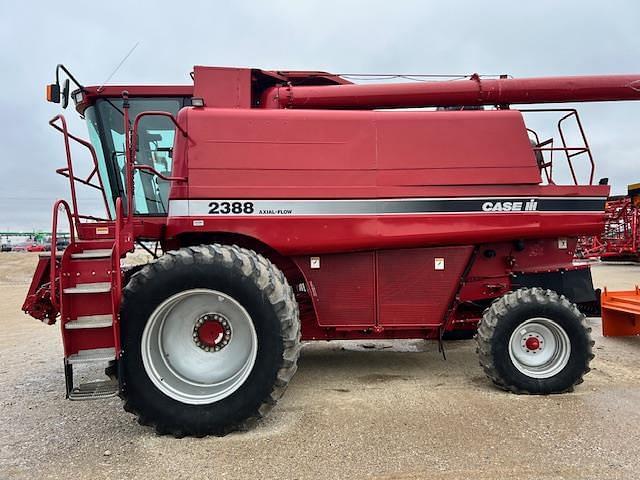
{"points": [[520, 38]]}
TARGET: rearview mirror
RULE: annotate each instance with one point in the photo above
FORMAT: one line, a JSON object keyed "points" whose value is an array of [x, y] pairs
{"points": [[55, 94], [65, 94]]}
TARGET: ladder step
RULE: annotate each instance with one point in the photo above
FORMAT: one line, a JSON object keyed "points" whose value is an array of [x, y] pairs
{"points": [[97, 253], [92, 356], [94, 390], [101, 287], [48, 254], [90, 321]]}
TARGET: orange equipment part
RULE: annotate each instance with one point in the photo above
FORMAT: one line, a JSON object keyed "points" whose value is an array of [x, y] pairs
{"points": [[621, 313]]}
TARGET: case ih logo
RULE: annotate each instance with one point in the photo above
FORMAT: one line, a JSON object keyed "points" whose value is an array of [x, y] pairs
{"points": [[510, 206]]}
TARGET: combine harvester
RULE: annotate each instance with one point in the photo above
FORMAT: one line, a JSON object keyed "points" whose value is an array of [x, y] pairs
{"points": [[288, 206]]}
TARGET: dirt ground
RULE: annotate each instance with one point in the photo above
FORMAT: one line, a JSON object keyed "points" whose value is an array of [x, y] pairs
{"points": [[395, 411]]}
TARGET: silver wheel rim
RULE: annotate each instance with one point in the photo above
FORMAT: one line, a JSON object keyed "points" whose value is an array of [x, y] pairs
{"points": [[552, 352], [178, 364]]}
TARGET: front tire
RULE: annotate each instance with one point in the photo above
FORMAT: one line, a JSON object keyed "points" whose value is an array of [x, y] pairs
{"points": [[210, 337], [534, 341]]}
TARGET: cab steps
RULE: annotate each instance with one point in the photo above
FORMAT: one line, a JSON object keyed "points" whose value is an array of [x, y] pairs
{"points": [[89, 325], [94, 390], [90, 321]]}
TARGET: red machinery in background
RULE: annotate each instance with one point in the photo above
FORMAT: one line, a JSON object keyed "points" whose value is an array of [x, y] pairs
{"points": [[620, 239]]}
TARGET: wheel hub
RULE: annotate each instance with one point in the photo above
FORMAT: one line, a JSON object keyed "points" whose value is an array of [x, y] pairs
{"points": [[539, 348], [212, 332], [199, 346], [533, 343]]}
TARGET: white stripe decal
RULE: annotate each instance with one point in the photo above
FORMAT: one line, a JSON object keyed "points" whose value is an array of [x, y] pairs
{"points": [[396, 206]]}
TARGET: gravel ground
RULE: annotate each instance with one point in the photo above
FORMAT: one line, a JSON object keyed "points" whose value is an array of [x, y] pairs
{"points": [[394, 411]]}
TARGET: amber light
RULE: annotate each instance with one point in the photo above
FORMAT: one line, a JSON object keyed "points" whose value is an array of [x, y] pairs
{"points": [[53, 93]]}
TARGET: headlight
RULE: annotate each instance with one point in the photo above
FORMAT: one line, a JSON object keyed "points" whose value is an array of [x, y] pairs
{"points": [[78, 97]]}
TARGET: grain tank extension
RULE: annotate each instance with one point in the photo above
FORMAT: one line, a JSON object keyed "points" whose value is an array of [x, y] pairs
{"points": [[290, 206]]}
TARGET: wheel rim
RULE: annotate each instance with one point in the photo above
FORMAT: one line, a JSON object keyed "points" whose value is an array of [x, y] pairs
{"points": [[539, 348], [192, 359]]}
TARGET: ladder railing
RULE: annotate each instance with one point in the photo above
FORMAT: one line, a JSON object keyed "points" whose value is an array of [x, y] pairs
{"points": [[60, 124], [53, 268], [569, 151]]}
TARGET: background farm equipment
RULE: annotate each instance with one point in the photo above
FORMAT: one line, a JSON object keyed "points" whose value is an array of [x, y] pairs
{"points": [[620, 239]]}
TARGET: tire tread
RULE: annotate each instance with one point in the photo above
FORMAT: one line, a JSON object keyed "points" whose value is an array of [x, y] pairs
{"points": [[501, 308], [277, 291]]}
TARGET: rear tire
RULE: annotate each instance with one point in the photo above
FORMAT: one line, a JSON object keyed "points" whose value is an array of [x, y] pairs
{"points": [[534, 341], [173, 379]]}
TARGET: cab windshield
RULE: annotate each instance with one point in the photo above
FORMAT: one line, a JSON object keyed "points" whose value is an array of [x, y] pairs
{"points": [[155, 149]]}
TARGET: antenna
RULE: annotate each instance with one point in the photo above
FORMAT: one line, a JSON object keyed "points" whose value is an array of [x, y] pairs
{"points": [[118, 67]]}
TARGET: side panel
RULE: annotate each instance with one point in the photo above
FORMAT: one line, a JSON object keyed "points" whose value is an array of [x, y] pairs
{"points": [[223, 87], [300, 235], [342, 288], [409, 288], [453, 148], [576, 285], [245, 153], [416, 286]]}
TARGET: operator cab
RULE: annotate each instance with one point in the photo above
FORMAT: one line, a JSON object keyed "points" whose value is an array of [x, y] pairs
{"points": [[155, 149], [103, 109]]}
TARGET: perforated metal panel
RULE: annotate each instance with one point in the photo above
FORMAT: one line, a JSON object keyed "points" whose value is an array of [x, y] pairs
{"points": [[412, 290], [342, 289]]}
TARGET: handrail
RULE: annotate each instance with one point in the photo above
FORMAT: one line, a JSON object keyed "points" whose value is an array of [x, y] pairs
{"points": [[64, 171], [586, 150], [68, 170], [153, 171], [569, 152], [131, 147], [54, 242], [91, 217]]}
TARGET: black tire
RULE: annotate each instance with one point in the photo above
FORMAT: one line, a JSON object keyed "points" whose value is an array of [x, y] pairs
{"points": [[509, 312], [260, 288]]}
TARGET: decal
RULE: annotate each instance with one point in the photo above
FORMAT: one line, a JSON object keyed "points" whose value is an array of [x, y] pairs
{"points": [[396, 206], [225, 208], [508, 206]]}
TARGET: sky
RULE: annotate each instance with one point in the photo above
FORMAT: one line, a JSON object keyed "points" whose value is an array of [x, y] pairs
{"points": [[522, 39]]}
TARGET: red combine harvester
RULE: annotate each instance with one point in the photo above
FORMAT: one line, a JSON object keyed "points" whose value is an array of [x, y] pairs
{"points": [[620, 240], [291, 206]]}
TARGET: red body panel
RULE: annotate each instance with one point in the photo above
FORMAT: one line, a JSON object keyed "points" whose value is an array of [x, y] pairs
{"points": [[308, 235], [384, 289], [342, 289], [224, 87], [323, 154], [416, 287]]}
